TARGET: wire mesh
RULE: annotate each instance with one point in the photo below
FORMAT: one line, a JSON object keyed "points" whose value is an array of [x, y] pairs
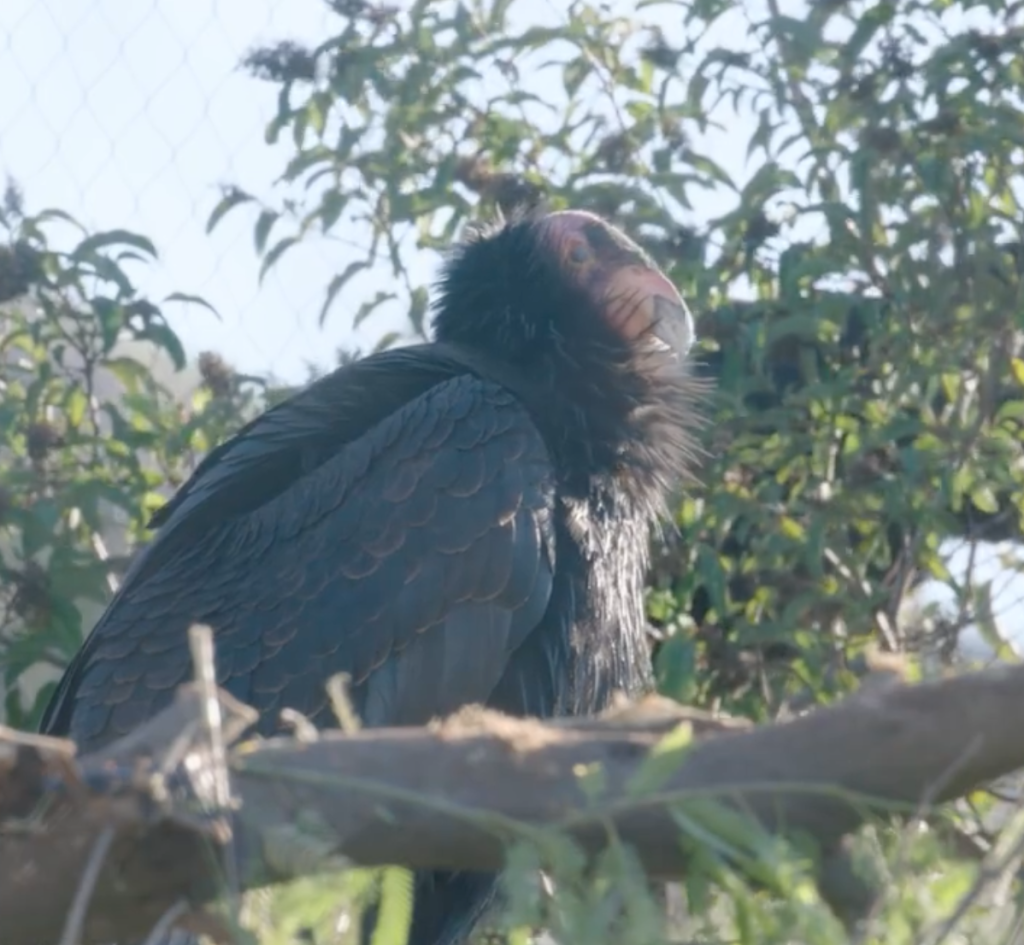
{"points": [[132, 115]]}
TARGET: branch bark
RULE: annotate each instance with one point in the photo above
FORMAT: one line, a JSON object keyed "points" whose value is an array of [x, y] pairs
{"points": [[455, 793]]}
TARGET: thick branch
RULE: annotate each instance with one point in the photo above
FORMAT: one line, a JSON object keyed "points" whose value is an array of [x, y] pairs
{"points": [[452, 794]]}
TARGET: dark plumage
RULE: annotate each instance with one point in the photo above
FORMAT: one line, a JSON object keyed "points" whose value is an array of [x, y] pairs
{"points": [[456, 522]]}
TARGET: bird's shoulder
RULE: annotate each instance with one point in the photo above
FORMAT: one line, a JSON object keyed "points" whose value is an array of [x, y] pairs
{"points": [[356, 410], [295, 436]]}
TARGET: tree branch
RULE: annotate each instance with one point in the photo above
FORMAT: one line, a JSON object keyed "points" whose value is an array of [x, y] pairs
{"points": [[454, 793]]}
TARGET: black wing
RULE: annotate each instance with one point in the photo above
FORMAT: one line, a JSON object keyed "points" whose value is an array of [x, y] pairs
{"points": [[417, 557]]}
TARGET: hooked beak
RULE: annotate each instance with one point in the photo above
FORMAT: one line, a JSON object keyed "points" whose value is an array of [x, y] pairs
{"points": [[645, 306], [637, 298]]}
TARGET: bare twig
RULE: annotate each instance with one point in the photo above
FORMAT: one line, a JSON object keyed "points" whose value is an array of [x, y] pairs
{"points": [[166, 922], [75, 921], [200, 640]]}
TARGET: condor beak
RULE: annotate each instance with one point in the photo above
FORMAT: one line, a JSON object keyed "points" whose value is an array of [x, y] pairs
{"points": [[636, 297], [644, 305]]}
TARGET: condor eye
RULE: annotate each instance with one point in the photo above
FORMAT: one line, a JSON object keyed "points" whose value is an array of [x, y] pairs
{"points": [[579, 253]]}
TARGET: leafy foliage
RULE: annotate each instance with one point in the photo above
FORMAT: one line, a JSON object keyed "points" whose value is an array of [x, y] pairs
{"points": [[90, 443], [859, 297]]}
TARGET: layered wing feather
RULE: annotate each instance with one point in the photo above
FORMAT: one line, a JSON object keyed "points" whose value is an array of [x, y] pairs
{"points": [[416, 555]]}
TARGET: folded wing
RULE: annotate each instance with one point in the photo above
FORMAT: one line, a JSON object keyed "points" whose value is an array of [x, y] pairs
{"points": [[417, 556]]}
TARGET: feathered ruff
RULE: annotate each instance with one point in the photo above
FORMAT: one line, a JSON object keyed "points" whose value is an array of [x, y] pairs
{"points": [[607, 408]]}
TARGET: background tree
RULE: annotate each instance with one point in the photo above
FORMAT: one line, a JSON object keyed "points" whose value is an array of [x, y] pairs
{"points": [[859, 303], [90, 443], [859, 298]]}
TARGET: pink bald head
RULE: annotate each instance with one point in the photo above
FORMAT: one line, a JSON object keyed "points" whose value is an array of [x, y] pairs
{"points": [[638, 299]]}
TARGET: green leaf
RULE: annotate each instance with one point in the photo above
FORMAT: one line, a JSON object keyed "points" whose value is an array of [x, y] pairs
{"points": [[768, 180], [575, 73], [336, 284], [803, 35], [663, 761], [762, 136], [394, 917], [231, 199], [792, 529], [279, 249], [369, 307], [75, 406], [386, 341], [984, 499], [110, 317], [707, 166], [40, 527], [1017, 367], [193, 300], [91, 244], [676, 668], [331, 207], [55, 214], [163, 336], [873, 19], [264, 224]]}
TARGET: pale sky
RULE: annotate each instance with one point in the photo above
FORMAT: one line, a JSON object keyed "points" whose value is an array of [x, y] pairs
{"points": [[130, 113]]}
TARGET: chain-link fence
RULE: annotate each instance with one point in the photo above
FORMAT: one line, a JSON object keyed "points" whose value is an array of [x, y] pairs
{"points": [[132, 115]]}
